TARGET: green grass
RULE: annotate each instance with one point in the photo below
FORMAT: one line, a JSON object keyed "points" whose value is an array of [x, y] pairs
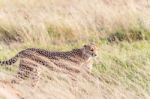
{"points": [[127, 64], [122, 38], [118, 65]]}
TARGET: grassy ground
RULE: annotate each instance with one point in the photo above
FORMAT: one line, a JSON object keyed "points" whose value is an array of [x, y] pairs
{"points": [[120, 29]]}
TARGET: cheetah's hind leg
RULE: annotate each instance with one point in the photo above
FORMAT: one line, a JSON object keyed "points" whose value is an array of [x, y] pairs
{"points": [[34, 77], [27, 70], [22, 74]]}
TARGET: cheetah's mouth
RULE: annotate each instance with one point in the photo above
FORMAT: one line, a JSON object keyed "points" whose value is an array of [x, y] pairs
{"points": [[94, 55]]}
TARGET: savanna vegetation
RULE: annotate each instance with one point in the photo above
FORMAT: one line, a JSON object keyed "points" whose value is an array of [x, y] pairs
{"points": [[119, 28]]}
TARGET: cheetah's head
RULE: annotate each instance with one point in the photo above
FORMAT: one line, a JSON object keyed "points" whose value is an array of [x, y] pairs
{"points": [[89, 50]]}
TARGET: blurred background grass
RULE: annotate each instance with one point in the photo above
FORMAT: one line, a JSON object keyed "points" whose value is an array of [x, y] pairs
{"points": [[120, 28]]}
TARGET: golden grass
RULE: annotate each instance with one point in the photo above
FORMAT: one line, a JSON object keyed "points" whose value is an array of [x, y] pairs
{"points": [[47, 20], [122, 69]]}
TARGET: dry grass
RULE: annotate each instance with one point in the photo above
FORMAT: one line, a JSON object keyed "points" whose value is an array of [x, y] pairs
{"points": [[71, 20], [122, 67], [122, 71]]}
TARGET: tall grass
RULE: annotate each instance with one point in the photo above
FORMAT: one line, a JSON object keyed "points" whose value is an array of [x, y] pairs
{"points": [[121, 68], [45, 20]]}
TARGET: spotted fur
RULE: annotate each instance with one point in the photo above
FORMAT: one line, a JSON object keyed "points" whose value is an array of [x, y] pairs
{"points": [[32, 58]]}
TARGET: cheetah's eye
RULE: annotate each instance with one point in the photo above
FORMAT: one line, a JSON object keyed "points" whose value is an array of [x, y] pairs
{"points": [[92, 50]]}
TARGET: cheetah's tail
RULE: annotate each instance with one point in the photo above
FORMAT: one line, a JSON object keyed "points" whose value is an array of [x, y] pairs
{"points": [[10, 61]]}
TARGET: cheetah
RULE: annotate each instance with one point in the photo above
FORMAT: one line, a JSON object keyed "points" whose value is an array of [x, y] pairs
{"points": [[31, 58]]}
